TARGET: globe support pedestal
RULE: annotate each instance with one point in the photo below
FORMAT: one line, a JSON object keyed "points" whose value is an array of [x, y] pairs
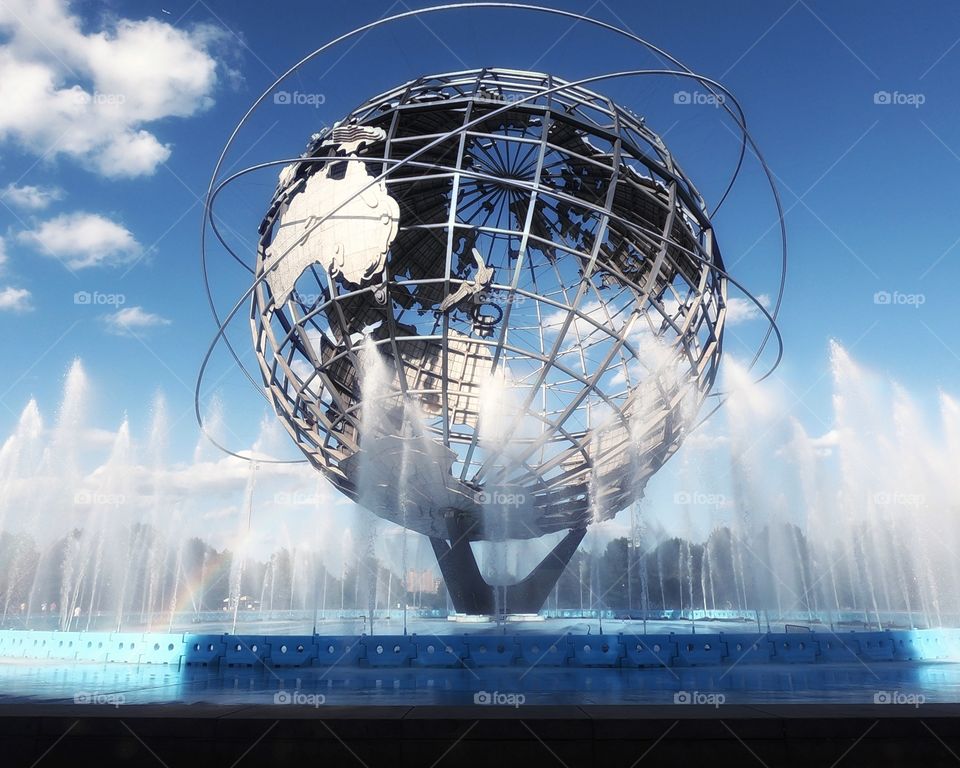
{"points": [[471, 594], [391, 311]]}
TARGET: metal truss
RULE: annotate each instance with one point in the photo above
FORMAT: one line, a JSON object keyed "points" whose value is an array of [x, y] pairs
{"points": [[547, 240]]}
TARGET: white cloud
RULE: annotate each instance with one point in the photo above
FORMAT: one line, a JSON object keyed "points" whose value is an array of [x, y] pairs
{"points": [[706, 440], [741, 310], [826, 440], [90, 94], [581, 330], [136, 153], [3, 252], [824, 445], [83, 240], [30, 197], [132, 320], [14, 299]]}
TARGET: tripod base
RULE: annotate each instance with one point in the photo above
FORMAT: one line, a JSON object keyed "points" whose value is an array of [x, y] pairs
{"points": [[471, 594]]}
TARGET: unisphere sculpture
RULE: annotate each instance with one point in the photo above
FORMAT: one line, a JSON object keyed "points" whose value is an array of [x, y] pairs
{"points": [[491, 304], [488, 305]]}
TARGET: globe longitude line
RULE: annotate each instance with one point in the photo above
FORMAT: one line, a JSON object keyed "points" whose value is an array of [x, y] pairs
{"points": [[634, 226], [690, 314], [309, 351], [451, 221], [414, 13], [679, 341], [391, 317], [228, 180], [581, 291], [598, 327], [546, 120], [344, 296], [574, 375], [576, 326]]}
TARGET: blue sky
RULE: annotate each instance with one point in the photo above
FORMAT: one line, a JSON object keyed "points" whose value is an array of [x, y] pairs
{"points": [[870, 188]]}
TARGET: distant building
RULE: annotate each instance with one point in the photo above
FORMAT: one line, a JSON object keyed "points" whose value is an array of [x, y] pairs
{"points": [[425, 581]]}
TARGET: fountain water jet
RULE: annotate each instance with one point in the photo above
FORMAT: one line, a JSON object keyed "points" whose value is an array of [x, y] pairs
{"points": [[859, 522]]}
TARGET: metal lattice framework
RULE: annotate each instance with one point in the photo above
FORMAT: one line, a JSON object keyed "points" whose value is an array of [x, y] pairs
{"points": [[603, 316], [488, 286]]}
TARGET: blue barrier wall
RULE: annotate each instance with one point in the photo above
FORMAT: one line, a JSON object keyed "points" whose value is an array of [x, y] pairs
{"points": [[527, 650], [749, 648], [431, 651], [649, 650], [596, 650], [543, 651], [491, 650]]}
